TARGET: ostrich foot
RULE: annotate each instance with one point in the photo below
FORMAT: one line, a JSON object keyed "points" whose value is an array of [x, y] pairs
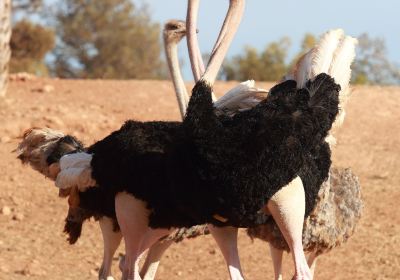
{"points": [[303, 271]]}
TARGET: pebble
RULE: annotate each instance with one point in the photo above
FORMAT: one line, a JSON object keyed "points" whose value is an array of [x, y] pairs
{"points": [[18, 217], [4, 269], [5, 139], [54, 120], [48, 88], [22, 76], [6, 211], [94, 272]]}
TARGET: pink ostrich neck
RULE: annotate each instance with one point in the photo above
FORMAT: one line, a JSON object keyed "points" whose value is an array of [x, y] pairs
{"points": [[196, 60], [227, 33]]}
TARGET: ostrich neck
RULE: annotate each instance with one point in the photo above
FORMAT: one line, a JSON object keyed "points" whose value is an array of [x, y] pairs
{"points": [[171, 51], [228, 31], [192, 40]]}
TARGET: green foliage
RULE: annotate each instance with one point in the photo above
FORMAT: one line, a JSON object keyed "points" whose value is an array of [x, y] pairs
{"points": [[106, 39], [307, 44], [29, 45], [372, 65], [269, 65]]}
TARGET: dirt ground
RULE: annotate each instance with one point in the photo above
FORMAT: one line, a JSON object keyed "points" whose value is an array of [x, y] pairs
{"points": [[33, 246]]}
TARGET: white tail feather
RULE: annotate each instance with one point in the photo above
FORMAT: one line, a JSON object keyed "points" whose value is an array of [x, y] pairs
{"points": [[333, 55], [303, 68], [324, 51], [340, 70], [343, 57]]}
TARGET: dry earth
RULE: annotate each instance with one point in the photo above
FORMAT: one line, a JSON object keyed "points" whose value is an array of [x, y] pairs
{"points": [[33, 246]]}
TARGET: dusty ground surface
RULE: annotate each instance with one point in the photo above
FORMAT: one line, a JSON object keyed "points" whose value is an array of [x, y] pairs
{"points": [[33, 246]]}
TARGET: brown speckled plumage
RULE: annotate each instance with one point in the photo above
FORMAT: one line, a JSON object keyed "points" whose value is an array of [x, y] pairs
{"points": [[332, 222]]}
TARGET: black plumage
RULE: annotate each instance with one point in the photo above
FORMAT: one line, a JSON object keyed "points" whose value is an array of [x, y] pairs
{"points": [[217, 165]]}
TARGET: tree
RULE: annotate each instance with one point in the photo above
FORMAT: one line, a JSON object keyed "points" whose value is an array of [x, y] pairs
{"points": [[106, 39], [29, 44], [269, 65], [308, 42], [372, 65], [5, 34]]}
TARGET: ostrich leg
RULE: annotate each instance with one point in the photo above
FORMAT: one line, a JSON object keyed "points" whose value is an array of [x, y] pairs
{"points": [[226, 238], [276, 256], [150, 266], [111, 241], [132, 216], [287, 208], [312, 262]]}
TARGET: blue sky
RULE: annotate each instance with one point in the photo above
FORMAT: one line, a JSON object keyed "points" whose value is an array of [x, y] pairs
{"points": [[265, 21]]}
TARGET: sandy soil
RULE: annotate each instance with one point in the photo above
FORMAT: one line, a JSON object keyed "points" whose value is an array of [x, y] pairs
{"points": [[33, 246]]}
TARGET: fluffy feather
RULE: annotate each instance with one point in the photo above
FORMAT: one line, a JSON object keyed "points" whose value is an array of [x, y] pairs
{"points": [[242, 97], [340, 70], [324, 51], [302, 71], [37, 147]]}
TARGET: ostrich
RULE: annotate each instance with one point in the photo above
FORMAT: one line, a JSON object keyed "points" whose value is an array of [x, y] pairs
{"points": [[332, 49], [203, 129], [340, 195]]}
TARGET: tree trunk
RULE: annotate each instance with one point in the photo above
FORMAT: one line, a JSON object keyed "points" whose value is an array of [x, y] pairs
{"points": [[5, 35]]}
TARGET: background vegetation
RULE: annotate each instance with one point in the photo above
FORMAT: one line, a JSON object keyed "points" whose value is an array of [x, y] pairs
{"points": [[116, 39]]}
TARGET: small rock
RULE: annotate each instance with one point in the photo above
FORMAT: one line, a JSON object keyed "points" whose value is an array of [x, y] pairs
{"points": [[4, 269], [5, 139], [53, 120], [23, 76], [6, 211], [94, 272], [48, 88], [18, 217]]}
